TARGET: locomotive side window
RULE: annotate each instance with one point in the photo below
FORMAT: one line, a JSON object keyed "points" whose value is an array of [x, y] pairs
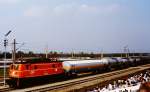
{"points": [[53, 65], [35, 67], [11, 67], [16, 67], [27, 67]]}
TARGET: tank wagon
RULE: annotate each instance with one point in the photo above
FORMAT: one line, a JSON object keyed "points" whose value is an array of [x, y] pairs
{"points": [[79, 66], [74, 67]]}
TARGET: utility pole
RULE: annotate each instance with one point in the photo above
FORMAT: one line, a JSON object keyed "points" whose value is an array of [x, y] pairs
{"points": [[72, 54], [126, 51], [14, 51], [46, 51], [5, 46], [102, 54]]}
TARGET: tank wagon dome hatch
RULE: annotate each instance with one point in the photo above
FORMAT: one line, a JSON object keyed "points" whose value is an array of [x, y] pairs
{"points": [[36, 60]]}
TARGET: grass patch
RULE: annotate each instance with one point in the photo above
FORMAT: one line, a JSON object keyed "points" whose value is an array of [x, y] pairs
{"points": [[2, 72]]}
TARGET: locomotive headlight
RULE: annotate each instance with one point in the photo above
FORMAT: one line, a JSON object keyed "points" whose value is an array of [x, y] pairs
{"points": [[13, 73]]}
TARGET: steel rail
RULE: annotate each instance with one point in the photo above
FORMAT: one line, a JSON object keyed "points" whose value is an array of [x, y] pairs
{"points": [[62, 86]]}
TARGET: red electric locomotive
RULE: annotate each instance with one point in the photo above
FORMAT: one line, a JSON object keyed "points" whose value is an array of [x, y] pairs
{"points": [[31, 68]]}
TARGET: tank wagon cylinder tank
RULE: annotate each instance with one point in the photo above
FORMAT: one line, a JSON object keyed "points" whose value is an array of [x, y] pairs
{"points": [[123, 60], [82, 65]]}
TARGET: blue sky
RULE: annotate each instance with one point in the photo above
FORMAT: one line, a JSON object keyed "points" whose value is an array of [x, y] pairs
{"points": [[77, 25]]}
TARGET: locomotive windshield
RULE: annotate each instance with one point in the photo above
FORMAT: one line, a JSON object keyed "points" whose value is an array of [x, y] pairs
{"points": [[14, 66]]}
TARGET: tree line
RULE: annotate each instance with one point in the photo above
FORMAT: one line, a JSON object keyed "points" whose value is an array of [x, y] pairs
{"points": [[54, 54]]}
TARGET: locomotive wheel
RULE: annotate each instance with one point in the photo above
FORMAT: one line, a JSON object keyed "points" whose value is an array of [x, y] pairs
{"points": [[11, 83], [18, 84]]}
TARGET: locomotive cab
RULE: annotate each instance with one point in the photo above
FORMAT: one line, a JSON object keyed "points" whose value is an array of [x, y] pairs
{"points": [[16, 74], [16, 70]]}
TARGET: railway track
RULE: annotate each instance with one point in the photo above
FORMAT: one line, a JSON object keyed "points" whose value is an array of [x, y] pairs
{"points": [[67, 84], [6, 89], [147, 65], [75, 82]]}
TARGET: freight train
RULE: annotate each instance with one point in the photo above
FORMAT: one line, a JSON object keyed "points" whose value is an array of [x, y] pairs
{"points": [[24, 69]]}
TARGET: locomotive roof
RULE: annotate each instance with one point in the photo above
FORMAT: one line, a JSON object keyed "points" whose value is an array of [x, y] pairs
{"points": [[36, 60]]}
